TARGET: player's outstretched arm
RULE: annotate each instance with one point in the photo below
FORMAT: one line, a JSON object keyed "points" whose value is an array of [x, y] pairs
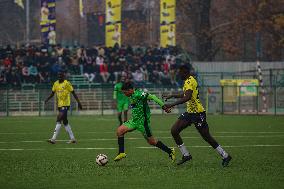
{"points": [[186, 97], [49, 97], [169, 96], [77, 99], [158, 101]]}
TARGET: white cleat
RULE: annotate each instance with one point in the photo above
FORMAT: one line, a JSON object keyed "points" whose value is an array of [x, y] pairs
{"points": [[51, 141]]}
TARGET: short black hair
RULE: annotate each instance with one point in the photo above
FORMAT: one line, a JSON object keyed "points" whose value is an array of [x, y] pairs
{"points": [[126, 86], [186, 67]]}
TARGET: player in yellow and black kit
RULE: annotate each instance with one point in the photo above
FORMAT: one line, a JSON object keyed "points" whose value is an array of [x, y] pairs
{"points": [[195, 114], [63, 88]]}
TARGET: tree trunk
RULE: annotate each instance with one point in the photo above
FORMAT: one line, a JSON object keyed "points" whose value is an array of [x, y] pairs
{"points": [[204, 39]]}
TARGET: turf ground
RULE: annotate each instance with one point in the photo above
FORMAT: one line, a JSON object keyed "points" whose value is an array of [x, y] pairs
{"points": [[28, 161]]}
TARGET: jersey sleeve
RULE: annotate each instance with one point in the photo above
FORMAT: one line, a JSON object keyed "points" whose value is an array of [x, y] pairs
{"points": [[156, 99], [69, 87], [54, 87], [189, 84]]}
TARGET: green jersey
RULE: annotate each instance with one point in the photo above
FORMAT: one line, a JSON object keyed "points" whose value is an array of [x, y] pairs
{"points": [[139, 105], [141, 112], [118, 94]]}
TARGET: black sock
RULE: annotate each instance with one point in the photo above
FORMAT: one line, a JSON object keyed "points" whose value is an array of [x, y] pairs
{"points": [[163, 147], [120, 120], [120, 141]]}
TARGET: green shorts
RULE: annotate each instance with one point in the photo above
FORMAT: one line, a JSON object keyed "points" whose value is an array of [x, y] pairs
{"points": [[143, 127], [122, 106]]}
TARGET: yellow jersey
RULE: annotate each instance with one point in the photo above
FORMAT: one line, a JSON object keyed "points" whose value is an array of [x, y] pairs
{"points": [[193, 105], [62, 91]]}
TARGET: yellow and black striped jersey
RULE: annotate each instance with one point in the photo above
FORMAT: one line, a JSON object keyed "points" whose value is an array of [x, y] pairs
{"points": [[62, 91], [193, 105]]}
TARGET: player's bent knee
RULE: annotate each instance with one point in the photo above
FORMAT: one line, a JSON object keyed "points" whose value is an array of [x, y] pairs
{"points": [[121, 131], [152, 142]]}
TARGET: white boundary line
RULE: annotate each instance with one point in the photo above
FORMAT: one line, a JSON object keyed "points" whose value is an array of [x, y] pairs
{"points": [[111, 132], [141, 138], [140, 147]]}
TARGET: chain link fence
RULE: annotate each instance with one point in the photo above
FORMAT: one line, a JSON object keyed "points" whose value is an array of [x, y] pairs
{"points": [[98, 100]]}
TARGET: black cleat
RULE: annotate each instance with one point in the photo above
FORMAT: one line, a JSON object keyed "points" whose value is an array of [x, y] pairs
{"points": [[184, 159], [226, 161]]}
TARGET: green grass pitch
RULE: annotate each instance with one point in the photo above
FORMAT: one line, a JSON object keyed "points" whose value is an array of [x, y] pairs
{"points": [[256, 144]]}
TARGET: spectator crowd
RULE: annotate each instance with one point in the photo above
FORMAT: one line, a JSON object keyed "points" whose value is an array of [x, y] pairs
{"points": [[98, 64]]}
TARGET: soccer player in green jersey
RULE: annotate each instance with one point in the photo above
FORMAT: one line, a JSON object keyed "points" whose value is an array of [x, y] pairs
{"points": [[121, 101], [140, 120], [195, 114]]}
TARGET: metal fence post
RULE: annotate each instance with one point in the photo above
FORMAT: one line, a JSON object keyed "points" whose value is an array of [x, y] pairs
{"points": [[239, 103], [222, 91], [39, 103], [7, 101], [102, 100], [275, 99], [257, 100]]}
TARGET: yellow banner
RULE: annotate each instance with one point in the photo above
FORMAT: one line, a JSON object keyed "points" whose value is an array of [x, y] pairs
{"points": [[113, 34], [167, 23], [239, 87], [113, 11], [167, 35], [113, 22]]}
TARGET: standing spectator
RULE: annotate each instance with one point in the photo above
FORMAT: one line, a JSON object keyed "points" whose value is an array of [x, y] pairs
{"points": [[59, 50], [144, 71], [101, 51], [33, 72], [127, 73], [2, 78], [2, 74], [138, 78], [7, 62], [13, 78], [74, 65], [156, 77], [25, 74], [173, 69], [111, 69], [81, 55], [99, 60], [89, 71], [9, 51], [104, 72], [117, 69], [44, 76]]}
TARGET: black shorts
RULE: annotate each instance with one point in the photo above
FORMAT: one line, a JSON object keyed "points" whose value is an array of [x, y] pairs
{"points": [[198, 119], [63, 109]]}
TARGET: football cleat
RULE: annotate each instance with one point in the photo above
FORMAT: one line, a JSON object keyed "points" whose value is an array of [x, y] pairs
{"points": [[51, 141], [184, 159], [72, 141], [226, 161], [172, 155], [120, 156]]}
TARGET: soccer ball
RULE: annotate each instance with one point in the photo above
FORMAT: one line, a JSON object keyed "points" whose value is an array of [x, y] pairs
{"points": [[101, 160]]}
